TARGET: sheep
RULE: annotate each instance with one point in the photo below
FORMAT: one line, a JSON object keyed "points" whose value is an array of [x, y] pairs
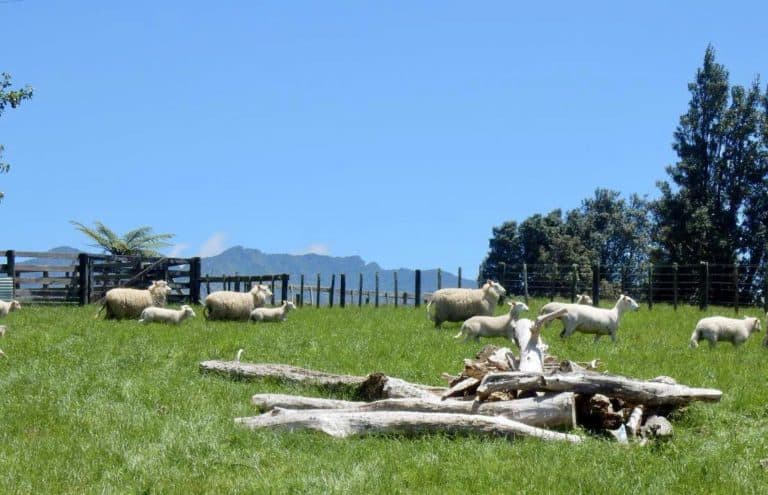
{"points": [[492, 326], [272, 314], [230, 305], [716, 328], [164, 315], [460, 304], [551, 307], [3, 328], [129, 303], [598, 321], [7, 307]]}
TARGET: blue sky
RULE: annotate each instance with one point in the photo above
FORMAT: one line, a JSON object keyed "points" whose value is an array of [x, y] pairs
{"points": [[402, 132]]}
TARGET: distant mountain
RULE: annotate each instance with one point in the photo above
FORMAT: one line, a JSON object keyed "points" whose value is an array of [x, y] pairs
{"points": [[246, 261]]}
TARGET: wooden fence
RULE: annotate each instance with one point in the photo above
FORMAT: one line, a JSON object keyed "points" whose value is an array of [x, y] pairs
{"points": [[81, 278]]}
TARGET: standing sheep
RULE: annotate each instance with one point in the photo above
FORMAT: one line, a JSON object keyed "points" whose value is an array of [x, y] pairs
{"points": [[7, 307], [230, 305], [272, 314], [492, 326], [716, 328], [165, 315], [461, 304], [597, 321], [129, 303], [551, 307]]}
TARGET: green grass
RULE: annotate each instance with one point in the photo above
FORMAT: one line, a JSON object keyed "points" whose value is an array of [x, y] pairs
{"points": [[93, 406]]}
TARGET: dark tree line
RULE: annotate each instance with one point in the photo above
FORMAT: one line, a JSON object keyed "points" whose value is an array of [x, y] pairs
{"points": [[713, 207]]}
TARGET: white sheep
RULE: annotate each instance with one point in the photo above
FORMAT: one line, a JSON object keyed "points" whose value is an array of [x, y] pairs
{"points": [[129, 303], [597, 321], [460, 304], [553, 306], [716, 328], [230, 305], [3, 328], [165, 315], [272, 314], [7, 307], [492, 326]]}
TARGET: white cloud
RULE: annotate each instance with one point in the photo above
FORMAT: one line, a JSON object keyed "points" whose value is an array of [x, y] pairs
{"points": [[316, 248], [177, 249], [213, 246]]}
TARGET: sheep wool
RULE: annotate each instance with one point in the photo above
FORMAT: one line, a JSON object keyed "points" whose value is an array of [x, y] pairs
{"points": [[8, 306], [165, 315], [124, 303], [596, 321], [492, 326], [230, 305], [460, 304], [272, 314], [720, 328]]}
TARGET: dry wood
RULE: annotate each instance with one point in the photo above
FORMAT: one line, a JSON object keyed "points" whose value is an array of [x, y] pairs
{"points": [[556, 410], [527, 333], [251, 371], [343, 424], [628, 389], [635, 418], [658, 427]]}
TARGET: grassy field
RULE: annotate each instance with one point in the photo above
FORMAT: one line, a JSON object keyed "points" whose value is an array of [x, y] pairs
{"points": [[93, 406]]}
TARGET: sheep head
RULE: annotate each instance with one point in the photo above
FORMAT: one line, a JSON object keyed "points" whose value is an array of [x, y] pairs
{"points": [[14, 305], [753, 324], [627, 303], [159, 291]]}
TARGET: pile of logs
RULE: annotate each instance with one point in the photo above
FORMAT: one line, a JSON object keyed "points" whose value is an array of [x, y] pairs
{"points": [[496, 393]]}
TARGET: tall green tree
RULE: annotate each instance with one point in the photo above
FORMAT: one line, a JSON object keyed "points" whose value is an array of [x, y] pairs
{"points": [[141, 241], [719, 177], [10, 98]]}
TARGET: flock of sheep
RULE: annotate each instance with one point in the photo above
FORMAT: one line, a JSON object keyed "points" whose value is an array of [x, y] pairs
{"points": [[473, 307]]}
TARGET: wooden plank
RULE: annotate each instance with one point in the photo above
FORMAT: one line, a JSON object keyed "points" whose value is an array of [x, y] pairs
{"points": [[47, 280], [22, 268], [48, 255]]}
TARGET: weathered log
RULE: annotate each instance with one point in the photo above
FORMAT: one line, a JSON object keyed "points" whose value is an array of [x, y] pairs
{"points": [[596, 413], [657, 427], [372, 387], [633, 423], [546, 411], [527, 334], [628, 389], [343, 424], [284, 372]]}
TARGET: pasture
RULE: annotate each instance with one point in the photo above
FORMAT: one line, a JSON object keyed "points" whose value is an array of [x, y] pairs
{"points": [[94, 406]]}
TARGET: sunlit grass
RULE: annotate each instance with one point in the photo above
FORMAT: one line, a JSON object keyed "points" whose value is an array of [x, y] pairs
{"points": [[93, 406]]}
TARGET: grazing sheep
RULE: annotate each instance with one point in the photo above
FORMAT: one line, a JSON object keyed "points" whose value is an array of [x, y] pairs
{"points": [[551, 307], [7, 307], [492, 326], [460, 304], [716, 328], [165, 315], [129, 303], [598, 321], [272, 314], [230, 305]]}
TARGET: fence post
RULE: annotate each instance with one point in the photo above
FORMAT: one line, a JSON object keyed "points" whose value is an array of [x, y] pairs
{"points": [[765, 291], [11, 271], [360, 291], [650, 286], [623, 279], [194, 280], [439, 279], [395, 275], [704, 300], [674, 285], [459, 277], [273, 290], [736, 286], [552, 276], [405, 299], [417, 288], [284, 286], [343, 289], [82, 278], [525, 282], [333, 287], [317, 296], [376, 297], [301, 291], [237, 282], [596, 283], [502, 275], [574, 278]]}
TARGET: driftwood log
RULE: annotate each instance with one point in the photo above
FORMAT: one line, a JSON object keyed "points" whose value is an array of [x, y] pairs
{"points": [[342, 424], [554, 410], [633, 391]]}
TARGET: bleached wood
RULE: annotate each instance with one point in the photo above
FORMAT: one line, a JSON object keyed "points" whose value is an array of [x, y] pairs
{"points": [[633, 391], [342, 424], [554, 410], [527, 333], [279, 371]]}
